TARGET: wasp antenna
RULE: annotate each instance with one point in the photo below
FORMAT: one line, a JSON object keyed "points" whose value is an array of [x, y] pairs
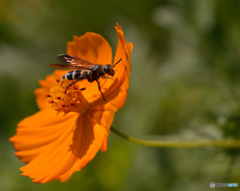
{"points": [[117, 62]]}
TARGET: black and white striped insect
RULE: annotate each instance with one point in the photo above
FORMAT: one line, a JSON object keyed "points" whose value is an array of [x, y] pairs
{"points": [[83, 70]]}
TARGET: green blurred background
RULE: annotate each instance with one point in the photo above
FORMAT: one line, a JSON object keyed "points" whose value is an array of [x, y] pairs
{"points": [[185, 83]]}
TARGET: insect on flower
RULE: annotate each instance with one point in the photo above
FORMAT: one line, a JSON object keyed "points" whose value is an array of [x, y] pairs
{"points": [[55, 146], [83, 70]]}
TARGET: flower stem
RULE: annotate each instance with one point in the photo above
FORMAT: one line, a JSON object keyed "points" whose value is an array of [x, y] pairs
{"points": [[227, 143]]}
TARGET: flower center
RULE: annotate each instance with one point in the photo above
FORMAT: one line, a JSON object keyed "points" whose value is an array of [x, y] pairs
{"points": [[67, 97]]}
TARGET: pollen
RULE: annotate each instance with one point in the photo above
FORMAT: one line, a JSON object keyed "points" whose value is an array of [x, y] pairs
{"points": [[65, 101]]}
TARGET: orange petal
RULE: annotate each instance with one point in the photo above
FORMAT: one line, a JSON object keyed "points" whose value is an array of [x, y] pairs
{"points": [[60, 156], [100, 134], [44, 141], [100, 118], [91, 47], [35, 133], [51, 144], [103, 114], [117, 89], [124, 50]]}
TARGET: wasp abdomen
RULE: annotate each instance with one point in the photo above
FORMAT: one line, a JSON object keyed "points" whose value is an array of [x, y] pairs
{"points": [[77, 75], [74, 75]]}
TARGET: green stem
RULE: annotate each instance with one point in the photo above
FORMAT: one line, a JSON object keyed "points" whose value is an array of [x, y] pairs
{"points": [[227, 143]]}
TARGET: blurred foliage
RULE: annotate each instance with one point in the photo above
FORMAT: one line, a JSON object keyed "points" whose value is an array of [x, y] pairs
{"points": [[185, 82]]}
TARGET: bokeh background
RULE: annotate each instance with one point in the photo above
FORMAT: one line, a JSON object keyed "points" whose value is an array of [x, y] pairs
{"points": [[185, 83]]}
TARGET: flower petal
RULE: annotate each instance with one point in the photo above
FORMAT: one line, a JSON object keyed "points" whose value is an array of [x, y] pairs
{"points": [[100, 135], [35, 133], [53, 145], [50, 145], [60, 155], [91, 47], [100, 119], [117, 89], [124, 50], [103, 115]]}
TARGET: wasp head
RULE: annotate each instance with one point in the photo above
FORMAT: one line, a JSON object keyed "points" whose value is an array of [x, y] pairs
{"points": [[109, 70]]}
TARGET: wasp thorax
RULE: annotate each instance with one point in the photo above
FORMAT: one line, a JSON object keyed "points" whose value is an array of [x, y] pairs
{"points": [[65, 101]]}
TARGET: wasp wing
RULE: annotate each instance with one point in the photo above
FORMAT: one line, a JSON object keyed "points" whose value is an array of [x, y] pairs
{"points": [[68, 67], [66, 59]]}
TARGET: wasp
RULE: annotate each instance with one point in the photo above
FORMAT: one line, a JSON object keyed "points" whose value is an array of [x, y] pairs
{"points": [[83, 70]]}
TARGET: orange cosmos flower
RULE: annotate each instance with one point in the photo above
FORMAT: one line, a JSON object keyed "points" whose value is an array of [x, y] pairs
{"points": [[62, 139]]}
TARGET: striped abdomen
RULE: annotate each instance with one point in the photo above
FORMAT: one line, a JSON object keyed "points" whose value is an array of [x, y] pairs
{"points": [[76, 75]]}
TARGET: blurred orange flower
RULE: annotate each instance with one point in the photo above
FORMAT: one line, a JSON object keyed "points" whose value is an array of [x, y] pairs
{"points": [[55, 146]]}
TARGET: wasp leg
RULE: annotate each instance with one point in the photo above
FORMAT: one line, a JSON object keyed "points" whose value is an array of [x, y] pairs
{"points": [[100, 89], [106, 77], [83, 76], [73, 83]]}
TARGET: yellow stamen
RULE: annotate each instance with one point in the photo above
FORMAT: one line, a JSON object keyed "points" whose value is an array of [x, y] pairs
{"points": [[64, 101]]}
